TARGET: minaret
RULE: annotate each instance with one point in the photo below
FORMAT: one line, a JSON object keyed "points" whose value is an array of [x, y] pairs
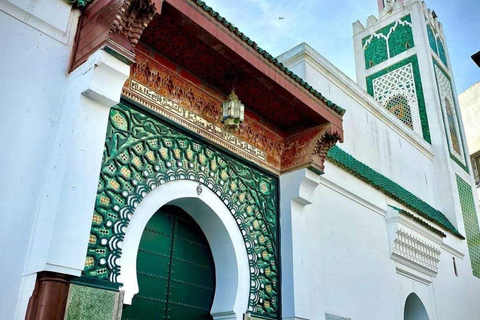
{"points": [[402, 61], [382, 4]]}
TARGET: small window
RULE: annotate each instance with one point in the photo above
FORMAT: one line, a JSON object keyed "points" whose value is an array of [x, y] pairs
{"points": [[455, 267]]}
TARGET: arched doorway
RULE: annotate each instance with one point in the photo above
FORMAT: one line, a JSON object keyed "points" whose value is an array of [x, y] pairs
{"points": [[148, 164], [414, 308], [175, 270]]}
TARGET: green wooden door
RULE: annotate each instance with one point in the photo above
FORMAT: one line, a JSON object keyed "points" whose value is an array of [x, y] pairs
{"points": [[175, 270]]}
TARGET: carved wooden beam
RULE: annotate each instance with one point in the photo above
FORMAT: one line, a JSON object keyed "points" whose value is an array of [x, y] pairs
{"points": [[115, 26], [309, 149]]}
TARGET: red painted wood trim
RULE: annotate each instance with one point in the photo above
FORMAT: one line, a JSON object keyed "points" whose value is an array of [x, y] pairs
{"points": [[49, 297], [315, 108]]}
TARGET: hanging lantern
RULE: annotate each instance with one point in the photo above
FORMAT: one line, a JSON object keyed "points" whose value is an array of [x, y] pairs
{"points": [[233, 112]]}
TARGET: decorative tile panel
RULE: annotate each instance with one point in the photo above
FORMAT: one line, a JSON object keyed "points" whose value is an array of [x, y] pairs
{"points": [[399, 89], [441, 52], [388, 42], [450, 115], [396, 91], [436, 44], [470, 220], [432, 39], [88, 303], [142, 153]]}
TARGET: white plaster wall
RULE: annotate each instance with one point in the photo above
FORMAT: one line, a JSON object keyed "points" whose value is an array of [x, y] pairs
{"points": [[347, 257], [371, 134], [470, 106], [349, 246], [36, 42]]}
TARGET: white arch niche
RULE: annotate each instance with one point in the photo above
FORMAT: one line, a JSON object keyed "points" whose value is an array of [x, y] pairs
{"points": [[414, 308]]}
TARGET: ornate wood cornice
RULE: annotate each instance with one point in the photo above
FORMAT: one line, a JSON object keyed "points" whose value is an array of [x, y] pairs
{"points": [[309, 149], [133, 17], [161, 85], [172, 92], [115, 25]]}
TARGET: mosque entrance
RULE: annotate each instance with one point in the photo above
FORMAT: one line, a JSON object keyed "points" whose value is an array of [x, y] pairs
{"points": [[175, 270]]}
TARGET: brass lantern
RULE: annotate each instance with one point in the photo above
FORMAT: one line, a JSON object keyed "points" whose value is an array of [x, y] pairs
{"points": [[233, 112]]}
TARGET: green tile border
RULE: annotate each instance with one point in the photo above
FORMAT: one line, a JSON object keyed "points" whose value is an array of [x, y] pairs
{"points": [[380, 50], [419, 221], [470, 220], [418, 86], [437, 45], [454, 158], [390, 188]]}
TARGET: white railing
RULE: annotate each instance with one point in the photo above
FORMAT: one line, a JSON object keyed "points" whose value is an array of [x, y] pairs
{"points": [[416, 250]]}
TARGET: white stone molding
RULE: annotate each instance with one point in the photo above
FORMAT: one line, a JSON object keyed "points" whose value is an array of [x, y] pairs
{"points": [[54, 18], [296, 191], [64, 214], [106, 75], [363, 201], [413, 247], [223, 235]]}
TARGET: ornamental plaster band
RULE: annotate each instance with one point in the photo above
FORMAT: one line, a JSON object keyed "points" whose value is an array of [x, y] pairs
{"points": [[173, 111]]}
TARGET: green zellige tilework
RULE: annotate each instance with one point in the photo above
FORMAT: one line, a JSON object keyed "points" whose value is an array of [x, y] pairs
{"points": [[87, 303], [390, 188], [441, 52], [436, 44], [388, 42], [431, 39], [418, 89], [450, 114], [143, 153], [470, 221]]}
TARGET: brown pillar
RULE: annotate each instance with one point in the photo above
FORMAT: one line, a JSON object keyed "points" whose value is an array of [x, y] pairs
{"points": [[49, 297]]}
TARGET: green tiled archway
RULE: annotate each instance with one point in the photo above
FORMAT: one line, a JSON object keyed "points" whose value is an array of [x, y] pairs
{"points": [[141, 153]]}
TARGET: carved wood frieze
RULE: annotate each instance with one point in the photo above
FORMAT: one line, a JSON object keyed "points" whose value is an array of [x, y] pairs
{"points": [[133, 17], [114, 25], [167, 89]]}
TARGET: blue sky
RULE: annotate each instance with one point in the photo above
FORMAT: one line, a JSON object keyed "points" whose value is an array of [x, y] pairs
{"points": [[326, 25]]}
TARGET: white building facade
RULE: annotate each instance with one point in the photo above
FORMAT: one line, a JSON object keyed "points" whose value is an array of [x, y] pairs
{"points": [[385, 228], [470, 105]]}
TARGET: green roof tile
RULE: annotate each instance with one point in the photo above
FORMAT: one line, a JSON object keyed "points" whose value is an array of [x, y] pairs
{"points": [[390, 188], [420, 221]]}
